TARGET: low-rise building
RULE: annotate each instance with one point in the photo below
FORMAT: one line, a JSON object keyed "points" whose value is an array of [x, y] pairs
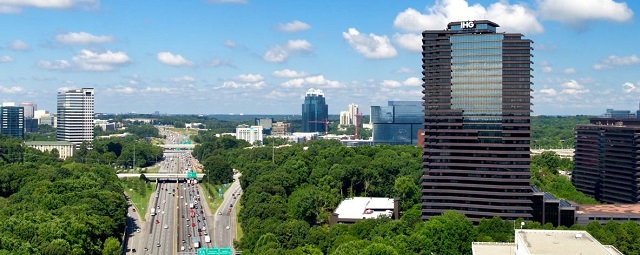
{"points": [[65, 149], [355, 209], [250, 134], [546, 242], [606, 213], [281, 128]]}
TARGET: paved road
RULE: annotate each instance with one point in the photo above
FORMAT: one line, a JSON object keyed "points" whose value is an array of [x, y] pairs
{"points": [[224, 229], [135, 226]]}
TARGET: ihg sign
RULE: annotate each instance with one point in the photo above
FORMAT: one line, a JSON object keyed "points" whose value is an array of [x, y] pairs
{"points": [[466, 24]]}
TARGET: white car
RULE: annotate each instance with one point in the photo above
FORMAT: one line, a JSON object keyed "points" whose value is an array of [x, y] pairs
{"points": [[166, 227], [228, 228]]}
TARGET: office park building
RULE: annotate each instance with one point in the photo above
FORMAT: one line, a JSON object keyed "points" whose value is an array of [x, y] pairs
{"points": [[477, 93], [75, 116]]}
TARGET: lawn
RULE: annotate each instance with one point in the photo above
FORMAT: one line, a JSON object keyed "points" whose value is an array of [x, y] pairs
{"points": [[139, 201], [238, 227], [213, 200]]}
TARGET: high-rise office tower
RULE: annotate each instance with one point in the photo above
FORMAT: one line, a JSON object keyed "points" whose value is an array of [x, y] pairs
{"points": [[75, 115], [29, 109], [315, 112], [477, 92], [12, 120]]}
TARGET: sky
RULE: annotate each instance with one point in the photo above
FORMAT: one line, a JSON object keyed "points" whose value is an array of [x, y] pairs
{"points": [[261, 56]]}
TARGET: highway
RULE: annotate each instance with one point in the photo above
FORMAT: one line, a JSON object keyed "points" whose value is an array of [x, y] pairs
{"points": [[225, 218]]}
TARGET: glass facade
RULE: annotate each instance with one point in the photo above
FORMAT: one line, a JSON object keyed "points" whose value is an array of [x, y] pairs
{"points": [[397, 123], [315, 112], [477, 122], [12, 121]]}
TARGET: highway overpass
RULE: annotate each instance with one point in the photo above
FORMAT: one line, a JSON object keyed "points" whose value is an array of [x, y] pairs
{"points": [[162, 176], [177, 146]]}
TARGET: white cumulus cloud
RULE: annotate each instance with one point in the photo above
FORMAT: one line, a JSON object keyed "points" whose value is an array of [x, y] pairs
{"points": [[390, 84], [629, 87], [412, 81], [411, 42], [19, 45], [287, 73], [614, 60], [53, 65], [279, 54], [106, 61], [171, 59], [15, 6], [317, 80], [229, 44], [82, 38], [572, 87], [371, 45], [292, 27], [548, 92], [250, 78], [511, 17], [5, 59], [242, 85], [184, 79], [10, 90], [575, 13]]}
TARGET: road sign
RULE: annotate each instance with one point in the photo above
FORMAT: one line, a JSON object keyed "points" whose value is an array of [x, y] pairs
{"points": [[191, 175], [215, 251]]}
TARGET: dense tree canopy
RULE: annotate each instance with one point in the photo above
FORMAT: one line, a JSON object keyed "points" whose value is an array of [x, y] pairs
{"points": [[554, 132]]}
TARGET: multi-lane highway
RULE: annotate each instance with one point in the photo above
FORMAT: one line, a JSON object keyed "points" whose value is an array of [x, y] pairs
{"points": [[225, 217]]}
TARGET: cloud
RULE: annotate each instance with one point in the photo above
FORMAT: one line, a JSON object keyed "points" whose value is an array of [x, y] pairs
{"points": [[409, 82], [250, 78], [239, 85], [19, 45], [572, 87], [629, 87], [390, 84], [228, 1], [404, 70], [510, 17], [371, 45], [412, 81], [614, 60], [292, 27], [569, 71], [82, 38], [11, 90], [411, 42], [92, 61], [171, 59], [229, 44], [317, 80], [6, 59], [548, 92], [184, 79], [279, 54], [161, 90], [576, 13], [15, 6], [281, 95], [55, 65], [287, 73], [546, 68], [122, 90]]}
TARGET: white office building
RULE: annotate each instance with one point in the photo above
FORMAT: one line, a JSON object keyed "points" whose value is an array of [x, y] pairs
{"points": [[29, 109], [350, 116], [250, 134], [75, 115]]}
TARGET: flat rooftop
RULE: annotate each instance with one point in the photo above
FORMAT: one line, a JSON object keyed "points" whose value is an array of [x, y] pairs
{"points": [[562, 242], [56, 143], [620, 209], [486, 248], [364, 207]]}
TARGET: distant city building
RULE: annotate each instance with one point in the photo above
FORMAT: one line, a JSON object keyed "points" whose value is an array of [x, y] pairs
{"points": [[606, 213], [477, 92], [266, 124], [606, 160], [281, 128], [48, 119], [105, 125], [12, 120], [75, 115], [344, 118], [31, 126], [397, 123], [546, 242], [315, 112], [29, 109], [620, 114], [349, 117], [356, 209], [65, 149], [251, 134]]}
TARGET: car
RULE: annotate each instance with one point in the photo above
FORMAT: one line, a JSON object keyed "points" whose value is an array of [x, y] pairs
{"points": [[134, 209], [166, 227], [137, 230], [199, 233], [219, 213], [182, 248], [158, 244], [189, 234], [183, 241], [157, 222], [133, 250], [228, 227]]}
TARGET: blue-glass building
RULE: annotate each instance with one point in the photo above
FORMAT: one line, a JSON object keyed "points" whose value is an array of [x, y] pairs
{"points": [[315, 112], [477, 92], [12, 121], [397, 123]]}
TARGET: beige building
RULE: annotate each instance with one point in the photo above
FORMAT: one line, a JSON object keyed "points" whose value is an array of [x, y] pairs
{"points": [[281, 128], [65, 149]]}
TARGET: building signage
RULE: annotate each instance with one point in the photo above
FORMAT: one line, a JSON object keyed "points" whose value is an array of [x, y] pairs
{"points": [[466, 24]]}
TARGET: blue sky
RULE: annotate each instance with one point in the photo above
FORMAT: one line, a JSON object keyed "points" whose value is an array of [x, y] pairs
{"points": [[260, 57]]}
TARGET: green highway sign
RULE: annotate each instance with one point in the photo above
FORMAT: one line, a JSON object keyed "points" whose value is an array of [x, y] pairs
{"points": [[215, 251], [191, 175]]}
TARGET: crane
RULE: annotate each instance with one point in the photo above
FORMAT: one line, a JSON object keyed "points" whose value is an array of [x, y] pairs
{"points": [[326, 124]]}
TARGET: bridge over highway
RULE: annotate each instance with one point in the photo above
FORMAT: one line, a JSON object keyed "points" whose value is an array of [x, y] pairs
{"points": [[162, 176], [177, 146]]}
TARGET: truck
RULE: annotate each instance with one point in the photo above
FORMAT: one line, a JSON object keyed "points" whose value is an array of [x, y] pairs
{"points": [[207, 239], [196, 242], [153, 211], [191, 205]]}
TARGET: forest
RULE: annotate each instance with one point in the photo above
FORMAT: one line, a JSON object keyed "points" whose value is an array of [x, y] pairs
{"points": [[49, 206], [555, 132], [290, 191]]}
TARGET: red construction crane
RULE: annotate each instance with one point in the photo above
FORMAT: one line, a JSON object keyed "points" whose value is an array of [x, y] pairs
{"points": [[358, 120], [326, 124]]}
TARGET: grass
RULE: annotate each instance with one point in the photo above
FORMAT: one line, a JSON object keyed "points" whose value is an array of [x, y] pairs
{"points": [[213, 200], [139, 201], [238, 227], [154, 169]]}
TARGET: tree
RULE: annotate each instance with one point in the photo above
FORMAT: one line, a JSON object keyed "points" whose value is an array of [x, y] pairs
{"points": [[217, 170], [450, 233], [111, 246], [406, 189]]}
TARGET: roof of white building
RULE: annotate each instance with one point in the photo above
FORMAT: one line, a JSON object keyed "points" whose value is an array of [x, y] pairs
{"points": [[364, 207]]}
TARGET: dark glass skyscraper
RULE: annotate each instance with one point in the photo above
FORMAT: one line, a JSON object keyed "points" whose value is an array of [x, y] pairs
{"points": [[315, 112], [477, 92], [397, 123], [12, 121]]}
